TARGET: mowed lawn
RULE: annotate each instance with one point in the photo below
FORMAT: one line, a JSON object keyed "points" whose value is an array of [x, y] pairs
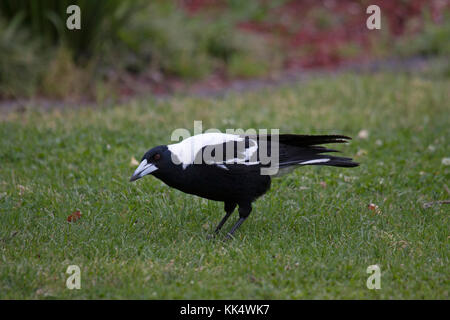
{"points": [[312, 236]]}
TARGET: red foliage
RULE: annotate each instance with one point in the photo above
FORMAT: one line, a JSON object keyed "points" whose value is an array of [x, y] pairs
{"points": [[314, 33]]}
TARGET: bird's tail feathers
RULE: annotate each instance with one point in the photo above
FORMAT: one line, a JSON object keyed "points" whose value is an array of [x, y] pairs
{"points": [[321, 160], [300, 140], [301, 150]]}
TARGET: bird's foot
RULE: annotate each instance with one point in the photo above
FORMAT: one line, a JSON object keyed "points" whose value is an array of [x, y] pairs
{"points": [[229, 236]]}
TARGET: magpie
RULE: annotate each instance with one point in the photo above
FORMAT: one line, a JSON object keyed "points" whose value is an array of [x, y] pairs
{"points": [[229, 167]]}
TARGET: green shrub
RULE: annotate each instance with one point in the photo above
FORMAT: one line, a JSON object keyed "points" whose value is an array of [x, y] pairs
{"points": [[432, 41], [21, 60], [165, 37], [63, 79], [117, 38], [46, 19]]}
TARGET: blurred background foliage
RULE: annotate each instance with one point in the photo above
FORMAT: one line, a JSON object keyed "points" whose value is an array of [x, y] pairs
{"points": [[124, 44]]}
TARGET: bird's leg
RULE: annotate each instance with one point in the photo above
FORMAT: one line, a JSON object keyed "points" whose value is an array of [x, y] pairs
{"points": [[222, 222], [237, 225], [229, 208], [244, 212]]}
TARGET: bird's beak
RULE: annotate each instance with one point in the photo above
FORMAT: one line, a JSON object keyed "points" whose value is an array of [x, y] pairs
{"points": [[143, 170]]}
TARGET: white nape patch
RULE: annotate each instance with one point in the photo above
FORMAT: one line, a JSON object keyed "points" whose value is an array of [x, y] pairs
{"points": [[315, 161], [187, 149]]}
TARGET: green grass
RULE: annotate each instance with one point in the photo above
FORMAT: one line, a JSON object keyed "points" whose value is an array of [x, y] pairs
{"points": [[302, 240]]}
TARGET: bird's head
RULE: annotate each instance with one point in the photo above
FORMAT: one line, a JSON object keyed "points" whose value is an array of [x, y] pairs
{"points": [[155, 159]]}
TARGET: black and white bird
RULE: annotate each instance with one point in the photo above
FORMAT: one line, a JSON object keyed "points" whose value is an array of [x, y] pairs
{"points": [[228, 167]]}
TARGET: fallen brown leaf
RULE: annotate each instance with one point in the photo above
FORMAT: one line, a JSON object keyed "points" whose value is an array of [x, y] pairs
{"points": [[373, 207], [74, 216]]}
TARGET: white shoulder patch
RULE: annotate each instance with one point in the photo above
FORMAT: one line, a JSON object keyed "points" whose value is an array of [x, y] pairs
{"points": [[248, 154], [187, 149]]}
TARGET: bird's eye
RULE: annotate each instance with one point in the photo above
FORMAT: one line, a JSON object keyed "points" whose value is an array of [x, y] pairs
{"points": [[156, 156]]}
